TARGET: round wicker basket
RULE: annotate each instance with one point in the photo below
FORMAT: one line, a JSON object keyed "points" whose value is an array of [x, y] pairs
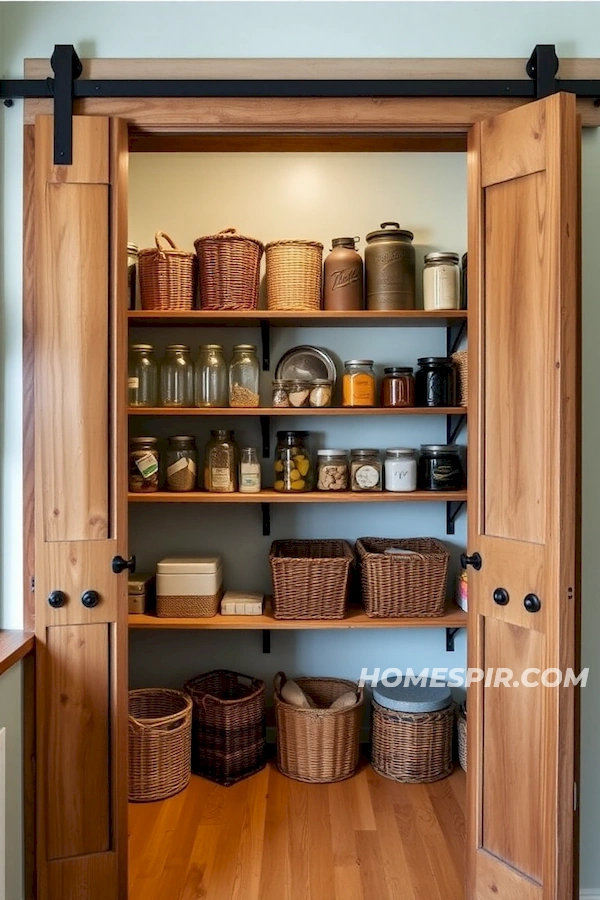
{"points": [[160, 740], [294, 274]]}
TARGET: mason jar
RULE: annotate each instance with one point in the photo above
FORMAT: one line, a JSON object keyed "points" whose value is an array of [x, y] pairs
{"points": [[400, 468], [365, 470], [441, 281], [181, 460], [210, 377], [143, 465], [221, 463], [177, 377], [293, 466], [244, 377], [142, 375]]}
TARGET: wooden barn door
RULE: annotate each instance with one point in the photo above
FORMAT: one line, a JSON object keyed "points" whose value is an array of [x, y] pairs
{"points": [[523, 507], [80, 512]]}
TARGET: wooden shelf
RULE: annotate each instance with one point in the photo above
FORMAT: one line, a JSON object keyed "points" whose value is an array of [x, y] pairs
{"points": [[304, 411], [14, 645], [410, 317], [271, 496]]}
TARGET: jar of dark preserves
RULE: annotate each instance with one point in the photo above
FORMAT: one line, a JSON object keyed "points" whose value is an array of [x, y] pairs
{"points": [[398, 387], [435, 381], [440, 468]]}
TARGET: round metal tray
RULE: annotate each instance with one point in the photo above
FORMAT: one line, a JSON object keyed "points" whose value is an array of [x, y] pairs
{"points": [[304, 363]]}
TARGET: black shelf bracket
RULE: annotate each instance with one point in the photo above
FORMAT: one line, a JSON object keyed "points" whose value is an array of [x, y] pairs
{"points": [[266, 640], [66, 66], [265, 339], [450, 635], [542, 68], [453, 508], [266, 519], [454, 336], [454, 426], [265, 429]]}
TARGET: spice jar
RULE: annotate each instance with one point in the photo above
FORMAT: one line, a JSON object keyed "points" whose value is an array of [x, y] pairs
{"points": [[132, 264], [332, 470], [181, 459], [298, 393], [280, 397], [441, 281], [321, 390], [210, 377], [400, 468], [177, 377], [390, 268], [244, 376], [221, 463], [249, 471], [293, 468], [143, 465], [365, 470], [435, 381], [440, 468], [142, 378], [358, 383], [343, 276], [398, 387]]}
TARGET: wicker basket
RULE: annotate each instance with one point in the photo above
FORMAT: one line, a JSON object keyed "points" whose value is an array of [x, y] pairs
{"points": [[310, 578], [294, 271], [461, 722], [412, 747], [160, 733], [318, 745], [228, 734], [188, 606], [461, 361], [167, 276], [401, 586], [229, 265]]}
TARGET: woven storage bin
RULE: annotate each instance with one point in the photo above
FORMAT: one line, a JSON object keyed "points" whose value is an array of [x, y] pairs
{"points": [[318, 745], [412, 747], [160, 734], [403, 586], [228, 733], [229, 265], [294, 271], [310, 578], [461, 722], [167, 276], [188, 607], [461, 361]]}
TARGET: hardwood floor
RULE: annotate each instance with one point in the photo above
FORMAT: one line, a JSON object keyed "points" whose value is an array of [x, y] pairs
{"points": [[271, 838]]}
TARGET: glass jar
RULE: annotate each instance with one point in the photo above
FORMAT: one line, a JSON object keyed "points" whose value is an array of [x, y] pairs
{"points": [[397, 387], [332, 470], [221, 463], [365, 470], [181, 459], [249, 471], [435, 381], [299, 393], [440, 468], [441, 281], [143, 465], [142, 376], [293, 467], [321, 390], [132, 264], [177, 377], [400, 468], [210, 377], [358, 383], [280, 397], [244, 377]]}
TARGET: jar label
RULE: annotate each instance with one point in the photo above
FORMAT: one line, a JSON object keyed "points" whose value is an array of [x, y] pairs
{"points": [[183, 463], [444, 473], [220, 478], [344, 277], [133, 383], [367, 477], [147, 465], [250, 478]]}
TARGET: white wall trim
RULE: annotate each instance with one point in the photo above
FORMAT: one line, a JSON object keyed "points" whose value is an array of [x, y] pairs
{"points": [[589, 894]]}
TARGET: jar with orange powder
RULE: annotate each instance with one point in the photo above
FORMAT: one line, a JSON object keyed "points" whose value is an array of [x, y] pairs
{"points": [[359, 384]]}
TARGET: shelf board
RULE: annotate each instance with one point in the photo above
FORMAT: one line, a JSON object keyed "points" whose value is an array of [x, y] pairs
{"points": [[304, 411], [409, 317], [271, 496]]}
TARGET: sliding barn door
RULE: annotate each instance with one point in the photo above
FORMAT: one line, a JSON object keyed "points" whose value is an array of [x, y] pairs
{"points": [[523, 518], [80, 512]]}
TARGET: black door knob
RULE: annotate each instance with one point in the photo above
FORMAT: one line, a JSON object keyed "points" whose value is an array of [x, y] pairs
{"points": [[90, 599], [57, 599], [119, 564], [475, 560], [532, 603], [501, 596]]}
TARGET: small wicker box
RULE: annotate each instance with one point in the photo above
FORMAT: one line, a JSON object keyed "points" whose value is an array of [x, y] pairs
{"points": [[160, 734], [310, 578], [167, 276], [229, 265], [189, 587], [294, 274]]}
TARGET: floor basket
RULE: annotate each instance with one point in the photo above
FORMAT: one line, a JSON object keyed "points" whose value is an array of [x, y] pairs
{"points": [[228, 734], [310, 578], [403, 585], [318, 745], [461, 361], [229, 265], [294, 270], [167, 276], [412, 747], [461, 722], [160, 730]]}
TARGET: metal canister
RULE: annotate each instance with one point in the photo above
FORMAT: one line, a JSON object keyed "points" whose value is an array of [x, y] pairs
{"points": [[390, 268]]}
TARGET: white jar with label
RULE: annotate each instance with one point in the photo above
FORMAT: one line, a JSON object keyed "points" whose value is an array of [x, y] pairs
{"points": [[249, 471], [400, 470], [441, 281]]}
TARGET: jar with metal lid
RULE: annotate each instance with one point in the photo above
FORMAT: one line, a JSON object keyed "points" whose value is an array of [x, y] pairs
{"points": [[244, 377], [177, 377], [400, 467], [397, 387], [249, 471], [435, 381], [132, 279], [221, 463], [298, 393], [440, 468], [293, 467], [332, 470], [390, 268], [142, 378], [181, 460], [143, 465], [365, 470], [210, 377], [358, 383], [321, 391], [441, 281], [343, 276], [279, 397]]}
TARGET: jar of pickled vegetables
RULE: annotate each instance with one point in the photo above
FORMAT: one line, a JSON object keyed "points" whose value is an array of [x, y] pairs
{"points": [[293, 465]]}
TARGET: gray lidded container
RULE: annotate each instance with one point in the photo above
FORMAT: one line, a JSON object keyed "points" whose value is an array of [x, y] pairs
{"points": [[390, 268]]}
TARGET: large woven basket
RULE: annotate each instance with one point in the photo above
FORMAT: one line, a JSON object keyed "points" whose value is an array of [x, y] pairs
{"points": [[294, 272], [229, 266], [461, 361], [412, 747], [311, 579], [167, 276], [400, 586], [188, 606], [228, 741], [318, 745], [160, 732], [461, 722]]}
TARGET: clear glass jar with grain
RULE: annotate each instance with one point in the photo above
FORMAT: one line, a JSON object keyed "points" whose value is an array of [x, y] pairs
{"points": [[244, 377], [221, 463], [181, 459]]}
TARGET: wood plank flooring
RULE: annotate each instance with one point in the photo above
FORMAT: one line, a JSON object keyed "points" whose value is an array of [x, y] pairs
{"points": [[271, 838]]}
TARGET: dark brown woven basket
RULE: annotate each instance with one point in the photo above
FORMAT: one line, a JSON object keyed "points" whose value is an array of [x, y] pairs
{"points": [[160, 733], [318, 745], [403, 586], [167, 276], [228, 725], [229, 266], [412, 747], [461, 723], [310, 578]]}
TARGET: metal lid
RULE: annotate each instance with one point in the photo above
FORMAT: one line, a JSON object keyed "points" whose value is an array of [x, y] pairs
{"points": [[178, 347], [251, 347], [415, 698], [440, 448], [142, 347], [331, 453], [365, 452], [317, 381], [397, 452], [435, 361], [398, 370], [222, 433], [390, 231], [442, 257], [291, 435], [143, 440], [350, 242], [210, 347], [182, 439], [358, 362]]}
